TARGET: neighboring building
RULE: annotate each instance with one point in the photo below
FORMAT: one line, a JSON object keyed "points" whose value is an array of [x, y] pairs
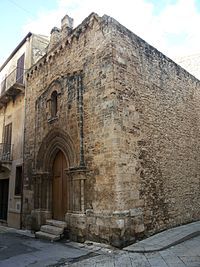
{"points": [[12, 74], [191, 63], [112, 136]]}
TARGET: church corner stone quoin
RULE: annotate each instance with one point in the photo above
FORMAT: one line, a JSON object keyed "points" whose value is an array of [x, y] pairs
{"points": [[112, 136]]}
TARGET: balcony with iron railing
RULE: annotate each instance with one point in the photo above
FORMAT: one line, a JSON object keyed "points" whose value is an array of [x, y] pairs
{"points": [[6, 151], [12, 85]]}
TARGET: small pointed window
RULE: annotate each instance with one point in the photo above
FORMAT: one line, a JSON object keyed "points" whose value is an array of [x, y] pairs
{"points": [[54, 104]]}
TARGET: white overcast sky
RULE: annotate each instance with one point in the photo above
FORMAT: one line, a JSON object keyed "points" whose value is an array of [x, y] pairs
{"points": [[172, 26]]}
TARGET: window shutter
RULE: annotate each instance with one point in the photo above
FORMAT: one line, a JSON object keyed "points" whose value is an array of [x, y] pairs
{"points": [[20, 70]]}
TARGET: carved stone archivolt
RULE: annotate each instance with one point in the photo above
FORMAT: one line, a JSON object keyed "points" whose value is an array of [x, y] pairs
{"points": [[54, 141]]}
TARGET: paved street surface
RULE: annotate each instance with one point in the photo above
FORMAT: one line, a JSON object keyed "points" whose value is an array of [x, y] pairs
{"points": [[186, 254], [166, 239], [20, 249]]}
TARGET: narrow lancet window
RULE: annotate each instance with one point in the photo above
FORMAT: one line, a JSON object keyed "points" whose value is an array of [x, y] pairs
{"points": [[54, 104]]}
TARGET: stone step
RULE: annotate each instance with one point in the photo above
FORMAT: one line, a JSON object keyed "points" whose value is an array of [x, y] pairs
{"points": [[47, 236], [56, 223], [54, 230]]}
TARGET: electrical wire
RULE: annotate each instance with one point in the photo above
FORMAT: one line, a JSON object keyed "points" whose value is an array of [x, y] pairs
{"points": [[22, 8]]}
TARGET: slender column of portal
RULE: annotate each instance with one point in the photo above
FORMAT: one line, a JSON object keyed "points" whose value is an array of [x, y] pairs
{"points": [[40, 191], [82, 195], [49, 192], [43, 188], [47, 198], [36, 191]]}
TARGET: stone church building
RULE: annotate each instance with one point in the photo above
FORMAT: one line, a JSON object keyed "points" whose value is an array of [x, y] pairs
{"points": [[112, 136]]}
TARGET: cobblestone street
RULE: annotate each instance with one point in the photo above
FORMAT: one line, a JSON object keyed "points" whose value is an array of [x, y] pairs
{"points": [[17, 248], [186, 254]]}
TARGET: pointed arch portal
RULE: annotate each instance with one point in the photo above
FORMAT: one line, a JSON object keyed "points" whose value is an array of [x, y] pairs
{"points": [[53, 184], [59, 181]]}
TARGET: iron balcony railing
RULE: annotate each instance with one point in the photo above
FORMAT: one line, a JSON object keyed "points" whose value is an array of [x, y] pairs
{"points": [[6, 152], [15, 77]]}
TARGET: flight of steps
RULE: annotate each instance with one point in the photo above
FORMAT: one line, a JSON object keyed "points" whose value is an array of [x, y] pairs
{"points": [[53, 230]]}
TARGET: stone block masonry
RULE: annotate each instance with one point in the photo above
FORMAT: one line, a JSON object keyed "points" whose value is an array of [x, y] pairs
{"points": [[127, 122]]}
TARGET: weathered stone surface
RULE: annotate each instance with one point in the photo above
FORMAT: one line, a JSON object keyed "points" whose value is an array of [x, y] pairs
{"points": [[57, 223], [47, 236], [128, 124], [51, 229]]}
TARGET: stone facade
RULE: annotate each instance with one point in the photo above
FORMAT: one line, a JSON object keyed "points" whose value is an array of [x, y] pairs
{"points": [[127, 123]]}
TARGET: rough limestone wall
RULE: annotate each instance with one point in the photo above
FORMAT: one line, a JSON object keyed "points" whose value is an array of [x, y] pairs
{"points": [[98, 120], [89, 50], [158, 130]]}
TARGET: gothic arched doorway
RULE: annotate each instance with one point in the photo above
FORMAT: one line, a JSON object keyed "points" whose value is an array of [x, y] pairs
{"points": [[53, 185], [59, 186]]}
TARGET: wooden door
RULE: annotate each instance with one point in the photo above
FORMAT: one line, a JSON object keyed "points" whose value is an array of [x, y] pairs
{"points": [[4, 184], [59, 187]]}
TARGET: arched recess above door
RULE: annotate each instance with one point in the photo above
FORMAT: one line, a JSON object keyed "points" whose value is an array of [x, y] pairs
{"points": [[54, 141]]}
